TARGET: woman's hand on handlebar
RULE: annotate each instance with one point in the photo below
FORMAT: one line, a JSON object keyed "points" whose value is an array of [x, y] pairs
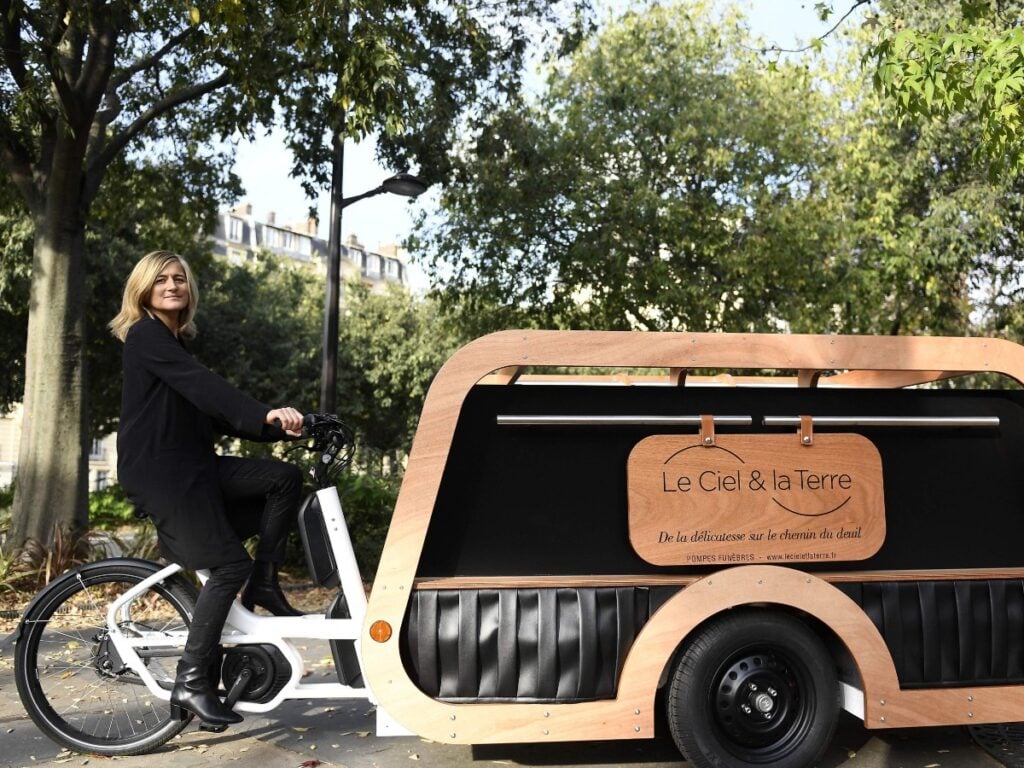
{"points": [[289, 419]]}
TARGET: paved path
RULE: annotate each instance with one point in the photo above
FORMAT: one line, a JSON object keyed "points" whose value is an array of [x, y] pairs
{"points": [[312, 733]]}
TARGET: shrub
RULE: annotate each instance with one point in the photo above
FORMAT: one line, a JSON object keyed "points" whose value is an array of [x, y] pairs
{"points": [[368, 502], [7, 496], [110, 509]]}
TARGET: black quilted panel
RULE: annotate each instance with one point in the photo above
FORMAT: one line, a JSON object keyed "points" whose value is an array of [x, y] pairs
{"points": [[554, 645], [949, 632]]}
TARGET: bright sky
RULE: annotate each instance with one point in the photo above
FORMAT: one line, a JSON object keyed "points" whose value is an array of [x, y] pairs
{"points": [[263, 165]]}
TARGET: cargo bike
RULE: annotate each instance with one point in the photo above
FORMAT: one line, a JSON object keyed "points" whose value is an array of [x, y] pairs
{"points": [[751, 531]]}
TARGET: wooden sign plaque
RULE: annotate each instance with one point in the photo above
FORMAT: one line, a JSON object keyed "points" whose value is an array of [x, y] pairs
{"points": [[755, 499]]}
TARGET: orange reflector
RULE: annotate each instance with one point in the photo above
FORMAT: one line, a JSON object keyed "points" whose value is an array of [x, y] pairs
{"points": [[380, 631]]}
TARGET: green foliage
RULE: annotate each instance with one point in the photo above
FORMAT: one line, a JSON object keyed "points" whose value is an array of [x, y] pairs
{"points": [[952, 61], [368, 502], [6, 497], [15, 272], [390, 345], [110, 509], [661, 182], [260, 326], [668, 179], [920, 234]]}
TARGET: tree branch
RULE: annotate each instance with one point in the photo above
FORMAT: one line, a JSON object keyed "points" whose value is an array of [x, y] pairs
{"points": [[776, 49], [10, 19], [92, 81], [154, 58], [95, 169], [71, 48], [49, 39]]}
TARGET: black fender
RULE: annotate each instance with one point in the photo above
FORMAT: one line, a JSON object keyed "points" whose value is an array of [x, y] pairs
{"points": [[84, 570]]}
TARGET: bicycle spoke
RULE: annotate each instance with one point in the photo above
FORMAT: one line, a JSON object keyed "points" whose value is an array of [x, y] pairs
{"points": [[88, 694]]}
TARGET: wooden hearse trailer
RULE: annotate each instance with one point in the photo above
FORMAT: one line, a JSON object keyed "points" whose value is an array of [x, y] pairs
{"points": [[763, 550]]}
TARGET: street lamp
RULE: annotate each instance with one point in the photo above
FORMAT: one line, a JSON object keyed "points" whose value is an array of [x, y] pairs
{"points": [[404, 184]]}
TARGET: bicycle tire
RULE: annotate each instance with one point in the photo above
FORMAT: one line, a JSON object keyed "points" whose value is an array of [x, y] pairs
{"points": [[63, 669]]}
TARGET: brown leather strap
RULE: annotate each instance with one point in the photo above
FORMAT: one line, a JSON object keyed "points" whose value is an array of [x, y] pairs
{"points": [[707, 430], [806, 430]]}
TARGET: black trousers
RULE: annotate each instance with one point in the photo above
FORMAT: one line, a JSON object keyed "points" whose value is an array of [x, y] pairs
{"points": [[244, 484]]}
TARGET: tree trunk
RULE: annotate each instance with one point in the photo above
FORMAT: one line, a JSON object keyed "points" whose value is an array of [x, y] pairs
{"points": [[52, 479]]}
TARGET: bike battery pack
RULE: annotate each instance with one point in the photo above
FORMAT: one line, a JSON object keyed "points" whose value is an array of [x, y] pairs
{"points": [[317, 544]]}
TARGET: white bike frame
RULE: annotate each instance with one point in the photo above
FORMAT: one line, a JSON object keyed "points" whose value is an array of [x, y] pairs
{"points": [[245, 627]]}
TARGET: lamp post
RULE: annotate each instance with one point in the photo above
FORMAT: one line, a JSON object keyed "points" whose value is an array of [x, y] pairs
{"points": [[404, 184]]}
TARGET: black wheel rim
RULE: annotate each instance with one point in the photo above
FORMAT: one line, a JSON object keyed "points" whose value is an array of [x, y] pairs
{"points": [[763, 703], [77, 689]]}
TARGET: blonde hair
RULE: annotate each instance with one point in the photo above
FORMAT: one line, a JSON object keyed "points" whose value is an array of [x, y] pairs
{"points": [[140, 284]]}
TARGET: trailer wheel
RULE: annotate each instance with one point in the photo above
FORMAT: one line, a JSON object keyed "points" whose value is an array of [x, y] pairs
{"points": [[754, 687]]}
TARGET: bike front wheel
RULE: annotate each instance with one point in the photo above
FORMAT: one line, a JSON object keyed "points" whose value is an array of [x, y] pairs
{"points": [[69, 677]]}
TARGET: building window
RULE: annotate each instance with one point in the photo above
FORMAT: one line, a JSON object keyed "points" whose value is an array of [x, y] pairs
{"points": [[96, 451], [235, 229], [372, 264], [394, 269], [102, 480]]}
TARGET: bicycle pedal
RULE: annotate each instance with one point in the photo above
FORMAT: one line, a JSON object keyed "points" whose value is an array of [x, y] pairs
{"points": [[209, 728]]}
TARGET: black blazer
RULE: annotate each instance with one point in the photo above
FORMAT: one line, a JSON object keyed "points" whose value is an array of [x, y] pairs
{"points": [[171, 408]]}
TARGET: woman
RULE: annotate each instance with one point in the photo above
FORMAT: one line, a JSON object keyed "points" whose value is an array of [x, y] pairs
{"points": [[203, 505]]}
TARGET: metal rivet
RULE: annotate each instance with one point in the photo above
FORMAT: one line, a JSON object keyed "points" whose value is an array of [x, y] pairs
{"points": [[970, 714], [636, 711], [970, 698], [452, 734], [807, 439], [547, 714], [882, 718], [636, 728], [453, 717], [882, 702], [760, 581], [545, 731]]}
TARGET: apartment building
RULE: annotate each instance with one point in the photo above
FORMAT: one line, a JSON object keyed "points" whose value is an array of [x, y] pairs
{"points": [[240, 237]]}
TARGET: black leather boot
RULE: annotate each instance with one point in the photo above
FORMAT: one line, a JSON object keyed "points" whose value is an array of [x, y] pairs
{"points": [[192, 693], [263, 590]]}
